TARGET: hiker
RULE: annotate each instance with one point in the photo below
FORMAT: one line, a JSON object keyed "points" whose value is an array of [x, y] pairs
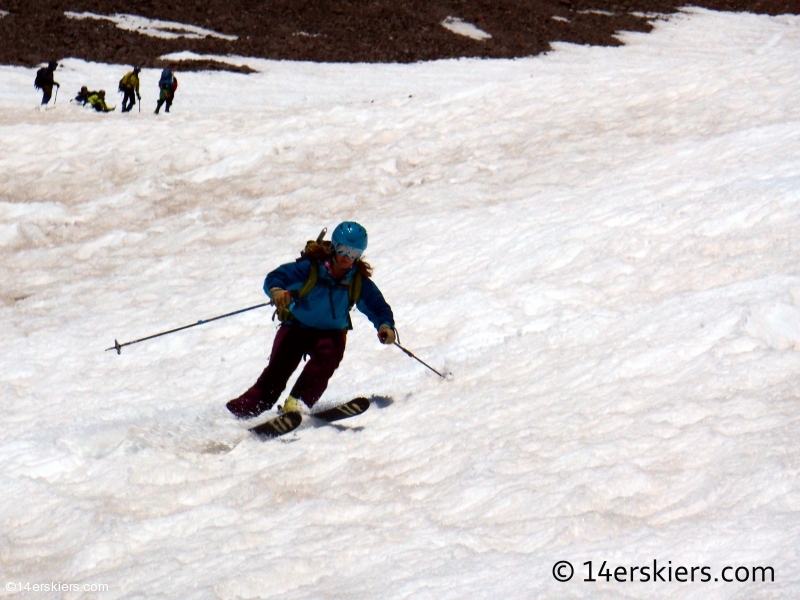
{"points": [[83, 96], [98, 101], [128, 85], [44, 81], [167, 86], [316, 320]]}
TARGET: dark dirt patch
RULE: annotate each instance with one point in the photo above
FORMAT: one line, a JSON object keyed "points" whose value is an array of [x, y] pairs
{"points": [[331, 30], [201, 65]]}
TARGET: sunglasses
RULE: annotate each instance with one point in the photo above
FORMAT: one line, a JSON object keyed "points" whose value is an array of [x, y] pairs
{"points": [[351, 253]]}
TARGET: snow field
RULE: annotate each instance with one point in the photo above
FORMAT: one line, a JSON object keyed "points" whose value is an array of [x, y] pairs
{"points": [[599, 243]]}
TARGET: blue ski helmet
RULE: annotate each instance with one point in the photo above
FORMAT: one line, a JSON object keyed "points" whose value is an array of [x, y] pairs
{"points": [[349, 235]]}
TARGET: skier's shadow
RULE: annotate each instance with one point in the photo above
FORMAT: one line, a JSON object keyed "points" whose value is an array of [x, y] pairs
{"points": [[318, 423], [381, 401], [338, 427]]}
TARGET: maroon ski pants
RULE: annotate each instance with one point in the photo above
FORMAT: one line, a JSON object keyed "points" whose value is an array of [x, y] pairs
{"points": [[325, 350]]}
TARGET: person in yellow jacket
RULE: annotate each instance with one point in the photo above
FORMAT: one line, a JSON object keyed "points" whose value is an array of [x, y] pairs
{"points": [[129, 85], [98, 101]]}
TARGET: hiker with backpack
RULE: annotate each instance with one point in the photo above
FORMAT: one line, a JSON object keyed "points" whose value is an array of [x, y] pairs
{"points": [[45, 81], [313, 297], [83, 96], [166, 86], [129, 85], [98, 101]]}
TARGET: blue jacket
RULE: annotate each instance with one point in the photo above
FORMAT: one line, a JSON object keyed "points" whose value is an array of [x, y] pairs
{"points": [[326, 305]]}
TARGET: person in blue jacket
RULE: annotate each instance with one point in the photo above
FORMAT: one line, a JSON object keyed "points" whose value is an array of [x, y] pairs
{"points": [[313, 297]]}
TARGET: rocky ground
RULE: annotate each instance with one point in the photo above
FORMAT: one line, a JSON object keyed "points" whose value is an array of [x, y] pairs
{"points": [[34, 31]]}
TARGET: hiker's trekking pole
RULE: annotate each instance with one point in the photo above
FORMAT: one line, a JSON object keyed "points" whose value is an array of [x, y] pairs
{"points": [[417, 359], [118, 347]]}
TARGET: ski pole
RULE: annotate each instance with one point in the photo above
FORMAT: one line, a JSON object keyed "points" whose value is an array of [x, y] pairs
{"points": [[118, 347], [422, 361], [56, 98]]}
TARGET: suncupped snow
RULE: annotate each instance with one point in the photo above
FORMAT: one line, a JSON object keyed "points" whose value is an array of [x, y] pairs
{"points": [[600, 244]]}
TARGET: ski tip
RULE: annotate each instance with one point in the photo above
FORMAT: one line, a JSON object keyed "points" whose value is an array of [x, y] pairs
{"points": [[351, 408]]}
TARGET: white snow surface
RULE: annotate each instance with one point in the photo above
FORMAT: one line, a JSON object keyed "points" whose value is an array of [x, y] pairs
{"points": [[153, 27], [461, 27], [601, 244]]}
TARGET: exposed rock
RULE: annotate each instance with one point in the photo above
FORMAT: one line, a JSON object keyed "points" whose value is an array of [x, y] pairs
{"points": [[328, 30]]}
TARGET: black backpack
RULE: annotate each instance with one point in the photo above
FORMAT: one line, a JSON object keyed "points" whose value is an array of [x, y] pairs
{"points": [[41, 79]]}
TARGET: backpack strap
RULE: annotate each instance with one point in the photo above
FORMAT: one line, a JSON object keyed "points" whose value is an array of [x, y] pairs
{"points": [[285, 314], [313, 275], [354, 290]]}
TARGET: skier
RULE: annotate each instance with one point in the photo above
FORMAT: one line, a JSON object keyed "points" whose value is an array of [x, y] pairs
{"points": [[167, 86], [128, 85], [315, 320], [98, 101], [44, 81]]}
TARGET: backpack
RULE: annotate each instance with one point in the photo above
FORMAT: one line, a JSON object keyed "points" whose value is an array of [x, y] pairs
{"points": [[41, 79], [353, 288], [125, 82], [166, 77]]}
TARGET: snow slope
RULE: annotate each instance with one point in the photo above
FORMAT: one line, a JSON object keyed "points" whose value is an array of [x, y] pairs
{"points": [[601, 245]]}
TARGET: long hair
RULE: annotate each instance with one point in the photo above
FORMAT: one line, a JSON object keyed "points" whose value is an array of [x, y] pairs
{"points": [[324, 251]]}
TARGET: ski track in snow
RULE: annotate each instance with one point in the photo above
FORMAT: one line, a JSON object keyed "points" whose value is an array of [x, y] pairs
{"points": [[600, 243]]}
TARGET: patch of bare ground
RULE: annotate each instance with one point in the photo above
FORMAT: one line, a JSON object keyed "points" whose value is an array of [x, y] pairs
{"points": [[330, 30]]}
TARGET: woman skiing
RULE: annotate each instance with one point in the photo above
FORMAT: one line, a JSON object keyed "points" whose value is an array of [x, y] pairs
{"points": [[313, 297]]}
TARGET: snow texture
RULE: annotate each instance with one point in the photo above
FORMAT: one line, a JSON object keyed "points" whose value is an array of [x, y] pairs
{"points": [[461, 27], [600, 244], [153, 27]]}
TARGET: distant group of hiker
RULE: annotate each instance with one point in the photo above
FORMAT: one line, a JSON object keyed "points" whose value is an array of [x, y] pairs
{"points": [[128, 86]]}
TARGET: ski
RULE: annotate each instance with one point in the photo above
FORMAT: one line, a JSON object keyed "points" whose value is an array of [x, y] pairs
{"points": [[280, 425], [288, 422], [354, 407]]}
